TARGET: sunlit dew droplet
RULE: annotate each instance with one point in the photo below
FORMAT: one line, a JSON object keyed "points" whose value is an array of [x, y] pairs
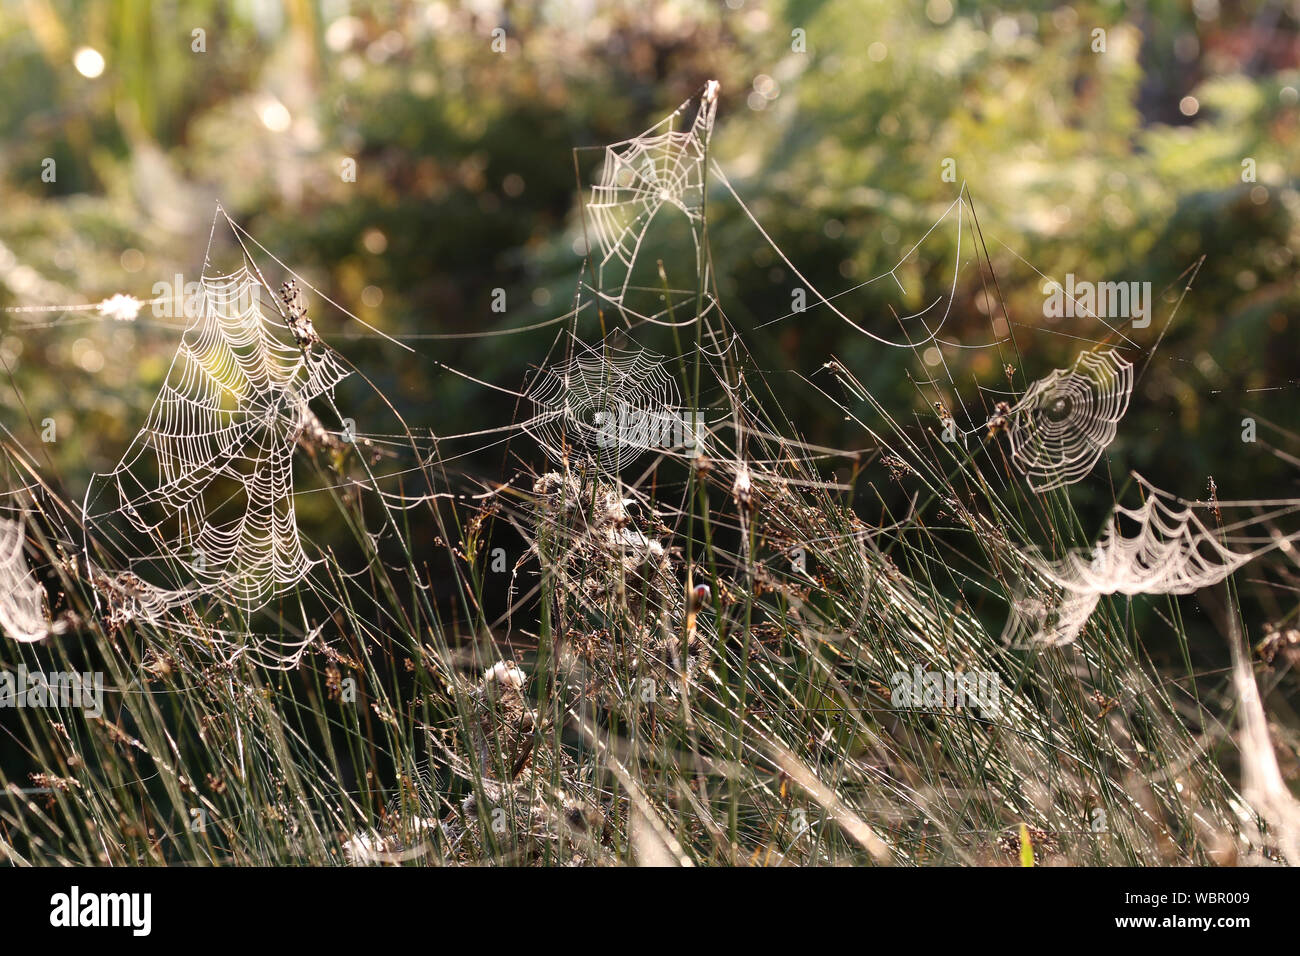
{"points": [[89, 62], [341, 33], [275, 116]]}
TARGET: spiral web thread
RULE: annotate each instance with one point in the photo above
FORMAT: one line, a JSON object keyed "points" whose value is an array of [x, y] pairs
{"points": [[1066, 420], [208, 480], [22, 599]]}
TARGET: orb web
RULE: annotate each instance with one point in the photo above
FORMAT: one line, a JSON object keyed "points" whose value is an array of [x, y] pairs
{"points": [[204, 495], [605, 405], [1065, 421], [663, 165]]}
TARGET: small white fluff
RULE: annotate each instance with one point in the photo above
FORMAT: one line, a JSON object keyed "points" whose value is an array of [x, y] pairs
{"points": [[742, 486], [120, 308], [506, 673]]}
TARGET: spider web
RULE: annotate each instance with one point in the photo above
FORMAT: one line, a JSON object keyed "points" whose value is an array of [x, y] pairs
{"points": [[614, 403], [664, 166], [23, 615], [210, 474], [1066, 420], [1171, 551], [1060, 425], [202, 503], [207, 483]]}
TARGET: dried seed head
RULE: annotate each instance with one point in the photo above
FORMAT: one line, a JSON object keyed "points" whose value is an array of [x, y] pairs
{"points": [[998, 422]]}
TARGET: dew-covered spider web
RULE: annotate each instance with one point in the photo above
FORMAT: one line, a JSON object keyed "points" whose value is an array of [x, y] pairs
{"points": [[23, 613], [1062, 426], [200, 511], [1059, 426], [664, 166], [652, 509], [202, 503], [207, 482], [1161, 547], [614, 403]]}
